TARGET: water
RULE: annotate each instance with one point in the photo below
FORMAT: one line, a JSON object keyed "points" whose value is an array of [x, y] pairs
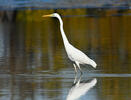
{"points": [[33, 61], [64, 4]]}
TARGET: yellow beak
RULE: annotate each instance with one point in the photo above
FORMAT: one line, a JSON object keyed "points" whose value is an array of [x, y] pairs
{"points": [[47, 15]]}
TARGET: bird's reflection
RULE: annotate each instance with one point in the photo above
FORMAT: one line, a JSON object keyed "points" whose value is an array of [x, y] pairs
{"points": [[79, 88]]}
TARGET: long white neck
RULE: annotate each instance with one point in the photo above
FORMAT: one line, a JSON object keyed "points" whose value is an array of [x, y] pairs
{"points": [[65, 40]]}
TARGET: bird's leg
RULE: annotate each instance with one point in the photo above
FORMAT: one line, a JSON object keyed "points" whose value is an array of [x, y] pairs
{"points": [[79, 67], [75, 80], [75, 68], [78, 82]]}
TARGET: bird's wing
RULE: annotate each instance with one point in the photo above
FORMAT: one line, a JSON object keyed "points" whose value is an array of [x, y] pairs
{"points": [[76, 55]]}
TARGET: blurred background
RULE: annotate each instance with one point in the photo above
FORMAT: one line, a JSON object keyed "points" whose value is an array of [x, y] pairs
{"points": [[33, 61]]}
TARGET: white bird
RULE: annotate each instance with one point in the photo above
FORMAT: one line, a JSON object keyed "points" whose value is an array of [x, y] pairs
{"points": [[80, 88], [75, 55]]}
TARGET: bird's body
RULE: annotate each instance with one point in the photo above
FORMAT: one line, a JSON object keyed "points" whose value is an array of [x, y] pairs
{"points": [[75, 55]]}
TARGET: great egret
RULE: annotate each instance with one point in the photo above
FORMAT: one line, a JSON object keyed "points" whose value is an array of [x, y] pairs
{"points": [[75, 55]]}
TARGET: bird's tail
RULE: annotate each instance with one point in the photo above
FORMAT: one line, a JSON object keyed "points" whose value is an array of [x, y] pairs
{"points": [[92, 63]]}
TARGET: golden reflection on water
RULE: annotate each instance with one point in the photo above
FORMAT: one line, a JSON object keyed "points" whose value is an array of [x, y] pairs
{"points": [[32, 45]]}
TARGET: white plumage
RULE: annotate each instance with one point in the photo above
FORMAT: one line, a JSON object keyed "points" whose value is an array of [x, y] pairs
{"points": [[75, 55], [79, 89]]}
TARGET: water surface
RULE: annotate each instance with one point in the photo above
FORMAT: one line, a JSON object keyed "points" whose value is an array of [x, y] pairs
{"points": [[34, 64]]}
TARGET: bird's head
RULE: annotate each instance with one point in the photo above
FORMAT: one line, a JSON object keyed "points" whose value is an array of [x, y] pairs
{"points": [[52, 15]]}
